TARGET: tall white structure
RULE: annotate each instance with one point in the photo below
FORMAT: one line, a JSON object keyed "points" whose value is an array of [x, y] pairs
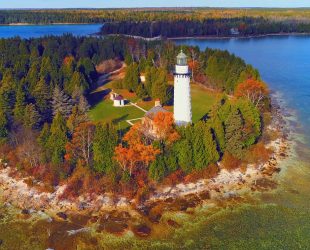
{"points": [[182, 92]]}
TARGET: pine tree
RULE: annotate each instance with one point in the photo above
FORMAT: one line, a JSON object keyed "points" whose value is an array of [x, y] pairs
{"points": [[233, 133], [57, 139], [83, 105], [31, 117], [132, 77], [20, 104], [33, 75], [77, 80], [185, 155], [199, 149], [46, 69], [61, 103], [42, 96], [157, 169], [7, 93], [105, 141], [3, 125], [43, 142], [76, 118], [212, 155], [160, 88]]}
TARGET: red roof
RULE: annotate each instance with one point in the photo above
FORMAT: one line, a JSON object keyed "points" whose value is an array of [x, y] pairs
{"points": [[119, 98]]}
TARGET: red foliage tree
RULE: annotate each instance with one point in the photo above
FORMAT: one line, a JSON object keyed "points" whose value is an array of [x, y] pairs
{"points": [[137, 153], [165, 127], [80, 146], [254, 90]]}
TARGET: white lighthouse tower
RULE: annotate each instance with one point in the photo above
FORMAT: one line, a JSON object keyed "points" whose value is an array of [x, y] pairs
{"points": [[182, 92]]}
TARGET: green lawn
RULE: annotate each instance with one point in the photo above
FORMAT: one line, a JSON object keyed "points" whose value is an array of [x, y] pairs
{"points": [[105, 111], [202, 101]]}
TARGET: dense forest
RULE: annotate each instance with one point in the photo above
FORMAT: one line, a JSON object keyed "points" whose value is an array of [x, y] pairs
{"points": [[173, 22], [154, 14], [246, 26], [46, 132]]}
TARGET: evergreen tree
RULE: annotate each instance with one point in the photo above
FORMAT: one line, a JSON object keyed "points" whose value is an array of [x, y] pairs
{"points": [[77, 80], [132, 77], [43, 142], [7, 93], [3, 125], [212, 154], [31, 117], [157, 169], [46, 69], [150, 76], [33, 75], [160, 88], [19, 108], [61, 103], [42, 96], [105, 141], [234, 134], [76, 118], [185, 155], [141, 92], [199, 150], [58, 139], [83, 105]]}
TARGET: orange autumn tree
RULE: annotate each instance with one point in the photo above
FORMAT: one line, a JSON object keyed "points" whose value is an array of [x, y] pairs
{"points": [[165, 127], [137, 153], [80, 147], [253, 90]]}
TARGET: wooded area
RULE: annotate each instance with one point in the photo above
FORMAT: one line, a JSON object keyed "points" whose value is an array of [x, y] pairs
{"points": [[147, 14], [46, 132]]}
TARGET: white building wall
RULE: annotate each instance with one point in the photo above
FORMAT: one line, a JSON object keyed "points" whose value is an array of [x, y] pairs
{"points": [[182, 96]]}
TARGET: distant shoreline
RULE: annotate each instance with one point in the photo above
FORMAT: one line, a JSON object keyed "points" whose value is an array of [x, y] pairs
{"points": [[206, 37], [43, 24]]}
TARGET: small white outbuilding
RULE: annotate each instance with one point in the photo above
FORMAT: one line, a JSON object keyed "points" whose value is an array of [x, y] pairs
{"points": [[119, 101]]}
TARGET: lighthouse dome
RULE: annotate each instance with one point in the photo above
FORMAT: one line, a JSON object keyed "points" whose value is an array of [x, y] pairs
{"points": [[181, 59]]}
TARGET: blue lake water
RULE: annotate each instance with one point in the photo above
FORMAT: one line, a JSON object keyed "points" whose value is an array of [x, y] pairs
{"points": [[28, 31], [284, 63]]}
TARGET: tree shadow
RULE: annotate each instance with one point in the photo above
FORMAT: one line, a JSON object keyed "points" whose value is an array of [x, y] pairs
{"points": [[96, 97], [120, 119]]}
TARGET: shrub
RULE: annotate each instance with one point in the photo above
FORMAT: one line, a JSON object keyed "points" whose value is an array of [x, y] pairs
{"points": [[230, 162]]}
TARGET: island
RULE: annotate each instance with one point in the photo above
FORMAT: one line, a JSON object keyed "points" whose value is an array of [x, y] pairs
{"points": [[119, 131]]}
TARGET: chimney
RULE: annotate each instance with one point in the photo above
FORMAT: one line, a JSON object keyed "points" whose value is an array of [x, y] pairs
{"points": [[157, 103]]}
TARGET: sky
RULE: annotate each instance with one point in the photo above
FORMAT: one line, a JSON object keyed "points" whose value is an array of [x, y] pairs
{"points": [[150, 3]]}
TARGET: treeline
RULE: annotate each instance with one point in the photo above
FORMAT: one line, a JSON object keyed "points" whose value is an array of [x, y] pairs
{"points": [[151, 14], [246, 26]]}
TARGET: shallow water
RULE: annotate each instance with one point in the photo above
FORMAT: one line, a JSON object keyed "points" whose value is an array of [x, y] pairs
{"points": [[279, 219]]}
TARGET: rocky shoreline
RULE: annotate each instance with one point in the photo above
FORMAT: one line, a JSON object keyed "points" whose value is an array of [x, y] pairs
{"points": [[227, 184]]}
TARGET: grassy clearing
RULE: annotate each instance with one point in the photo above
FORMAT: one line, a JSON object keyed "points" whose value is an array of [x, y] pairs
{"points": [[202, 101], [103, 109]]}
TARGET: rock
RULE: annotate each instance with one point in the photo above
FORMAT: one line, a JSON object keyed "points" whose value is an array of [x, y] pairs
{"points": [[25, 211], [1, 242], [62, 215], [204, 195], [173, 223], [142, 230]]}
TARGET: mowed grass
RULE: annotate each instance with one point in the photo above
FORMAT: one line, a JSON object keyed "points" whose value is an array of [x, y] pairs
{"points": [[105, 111], [202, 101]]}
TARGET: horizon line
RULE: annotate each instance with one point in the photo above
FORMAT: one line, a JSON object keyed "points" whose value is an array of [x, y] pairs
{"points": [[177, 7]]}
